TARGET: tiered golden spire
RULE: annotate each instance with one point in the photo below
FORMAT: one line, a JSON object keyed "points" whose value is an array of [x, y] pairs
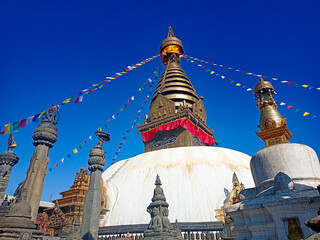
{"points": [[174, 83]]}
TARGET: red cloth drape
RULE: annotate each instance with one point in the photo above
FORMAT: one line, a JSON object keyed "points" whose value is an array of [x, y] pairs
{"points": [[183, 122]]}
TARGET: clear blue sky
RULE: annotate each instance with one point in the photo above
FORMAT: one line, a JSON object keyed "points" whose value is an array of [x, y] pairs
{"points": [[50, 50]]}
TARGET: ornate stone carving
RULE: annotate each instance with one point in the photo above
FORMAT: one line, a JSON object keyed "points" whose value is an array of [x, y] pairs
{"points": [[160, 226], [7, 160]]}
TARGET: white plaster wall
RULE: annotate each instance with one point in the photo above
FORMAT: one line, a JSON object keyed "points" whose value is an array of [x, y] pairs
{"points": [[193, 180]]}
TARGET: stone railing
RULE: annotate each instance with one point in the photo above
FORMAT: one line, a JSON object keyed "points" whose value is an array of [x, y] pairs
{"points": [[189, 230]]}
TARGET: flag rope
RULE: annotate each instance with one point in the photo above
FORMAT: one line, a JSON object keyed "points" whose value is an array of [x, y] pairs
{"points": [[151, 82], [15, 126], [249, 89], [305, 85]]}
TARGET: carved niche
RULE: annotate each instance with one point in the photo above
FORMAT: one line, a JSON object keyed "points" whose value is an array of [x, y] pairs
{"points": [[161, 107]]}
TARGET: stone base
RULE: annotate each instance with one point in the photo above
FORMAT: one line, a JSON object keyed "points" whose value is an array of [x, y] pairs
{"points": [[315, 236], [23, 234], [174, 235]]}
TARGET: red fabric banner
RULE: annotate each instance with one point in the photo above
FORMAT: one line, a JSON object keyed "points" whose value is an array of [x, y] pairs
{"points": [[183, 122]]}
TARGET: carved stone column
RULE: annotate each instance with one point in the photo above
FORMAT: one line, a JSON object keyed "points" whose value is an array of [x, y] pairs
{"points": [[44, 136], [7, 160], [92, 203]]}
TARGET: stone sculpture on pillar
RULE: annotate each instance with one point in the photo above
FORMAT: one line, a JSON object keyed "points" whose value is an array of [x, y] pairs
{"points": [[92, 203], [160, 226], [44, 136], [7, 160], [18, 223]]}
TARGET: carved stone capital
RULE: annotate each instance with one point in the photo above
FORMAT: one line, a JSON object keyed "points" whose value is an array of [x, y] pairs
{"points": [[45, 134], [96, 159], [8, 158]]}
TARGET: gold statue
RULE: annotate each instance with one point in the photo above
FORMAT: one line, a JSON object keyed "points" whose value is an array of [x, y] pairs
{"points": [[11, 143]]}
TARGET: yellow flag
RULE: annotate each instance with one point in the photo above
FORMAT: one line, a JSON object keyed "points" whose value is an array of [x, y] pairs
{"points": [[134, 67], [212, 72], [306, 114], [75, 150], [41, 114], [238, 84], [99, 129], [140, 89], [275, 78], [191, 61], [112, 78], [101, 85], [67, 100], [7, 128], [95, 84], [305, 85], [249, 73]]}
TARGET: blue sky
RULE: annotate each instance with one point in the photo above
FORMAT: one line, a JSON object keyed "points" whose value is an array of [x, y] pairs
{"points": [[51, 50]]}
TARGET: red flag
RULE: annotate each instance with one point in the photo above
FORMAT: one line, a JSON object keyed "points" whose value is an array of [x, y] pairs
{"points": [[22, 123], [77, 100], [109, 120], [56, 164], [289, 107], [2, 132], [85, 141], [289, 82]]}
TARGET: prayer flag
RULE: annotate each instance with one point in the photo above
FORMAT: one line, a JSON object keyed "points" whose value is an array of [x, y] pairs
{"points": [[105, 125], [223, 77], [282, 103], [238, 84], [77, 100], [7, 128], [56, 164], [75, 151], [109, 120], [85, 141], [35, 117], [62, 159], [15, 126], [90, 137], [22, 123], [67, 100], [140, 89], [249, 89], [289, 107], [113, 117], [29, 120], [297, 110], [290, 82], [69, 155], [99, 129], [305, 86], [50, 169], [306, 114], [41, 114], [80, 146], [121, 109]]}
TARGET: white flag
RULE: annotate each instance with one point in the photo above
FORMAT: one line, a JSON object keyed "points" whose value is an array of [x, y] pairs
{"points": [[29, 120], [113, 117], [90, 137], [62, 160], [132, 98]]}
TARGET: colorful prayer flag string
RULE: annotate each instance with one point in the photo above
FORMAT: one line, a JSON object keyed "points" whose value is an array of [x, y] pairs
{"points": [[76, 99], [151, 82], [307, 86], [249, 89]]}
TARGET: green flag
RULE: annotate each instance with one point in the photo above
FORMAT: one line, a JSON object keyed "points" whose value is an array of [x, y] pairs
{"points": [[15, 126]]}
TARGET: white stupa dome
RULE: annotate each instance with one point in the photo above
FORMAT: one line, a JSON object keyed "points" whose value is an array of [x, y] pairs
{"points": [[193, 180]]}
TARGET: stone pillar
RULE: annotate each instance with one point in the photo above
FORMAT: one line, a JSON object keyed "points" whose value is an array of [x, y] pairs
{"points": [[92, 203], [44, 136], [7, 160]]}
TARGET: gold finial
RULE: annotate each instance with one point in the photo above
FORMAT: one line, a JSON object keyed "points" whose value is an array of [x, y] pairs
{"points": [[170, 32], [11, 143]]}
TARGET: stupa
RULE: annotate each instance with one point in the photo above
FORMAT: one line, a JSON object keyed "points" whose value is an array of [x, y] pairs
{"points": [[286, 176], [178, 147]]}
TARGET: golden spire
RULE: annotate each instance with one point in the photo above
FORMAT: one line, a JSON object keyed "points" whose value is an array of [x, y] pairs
{"points": [[273, 128], [174, 83]]}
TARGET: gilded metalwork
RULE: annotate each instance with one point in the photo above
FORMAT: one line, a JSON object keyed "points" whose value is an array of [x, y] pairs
{"points": [[11, 143], [103, 137], [273, 128], [174, 96]]}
